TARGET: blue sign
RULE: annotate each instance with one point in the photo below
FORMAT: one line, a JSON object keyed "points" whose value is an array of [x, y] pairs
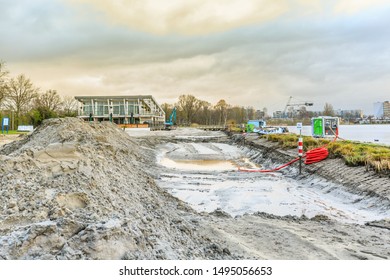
{"points": [[4, 123]]}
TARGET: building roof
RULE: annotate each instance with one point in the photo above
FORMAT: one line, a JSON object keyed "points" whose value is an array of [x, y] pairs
{"points": [[114, 97], [134, 97]]}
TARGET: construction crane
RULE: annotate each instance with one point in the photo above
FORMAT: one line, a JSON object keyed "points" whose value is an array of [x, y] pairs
{"points": [[289, 104]]}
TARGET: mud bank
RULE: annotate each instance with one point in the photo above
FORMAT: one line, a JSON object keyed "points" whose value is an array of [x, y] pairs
{"points": [[359, 180], [206, 176], [259, 234], [8, 138]]}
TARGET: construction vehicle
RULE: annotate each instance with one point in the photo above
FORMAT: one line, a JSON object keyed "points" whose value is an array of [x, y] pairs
{"points": [[260, 127], [252, 125], [289, 104], [169, 125]]}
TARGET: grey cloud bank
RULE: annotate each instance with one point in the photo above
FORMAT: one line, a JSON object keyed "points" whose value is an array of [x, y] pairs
{"points": [[255, 59]]}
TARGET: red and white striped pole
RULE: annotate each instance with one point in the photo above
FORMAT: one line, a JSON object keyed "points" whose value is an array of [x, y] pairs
{"points": [[300, 147], [300, 153]]}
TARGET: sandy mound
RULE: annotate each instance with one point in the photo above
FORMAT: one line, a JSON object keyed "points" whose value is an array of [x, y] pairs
{"points": [[75, 190]]}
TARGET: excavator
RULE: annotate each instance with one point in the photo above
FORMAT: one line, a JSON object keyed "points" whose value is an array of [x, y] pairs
{"points": [[169, 125]]}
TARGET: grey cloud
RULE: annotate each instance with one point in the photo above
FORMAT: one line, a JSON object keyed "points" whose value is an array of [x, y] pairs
{"points": [[344, 58]]}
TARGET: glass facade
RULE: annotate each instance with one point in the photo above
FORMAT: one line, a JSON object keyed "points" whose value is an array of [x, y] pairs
{"points": [[125, 109], [99, 108], [87, 109], [133, 107]]}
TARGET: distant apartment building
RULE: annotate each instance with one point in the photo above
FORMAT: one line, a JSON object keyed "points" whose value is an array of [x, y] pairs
{"points": [[278, 115], [386, 109], [349, 114], [260, 114], [382, 109]]}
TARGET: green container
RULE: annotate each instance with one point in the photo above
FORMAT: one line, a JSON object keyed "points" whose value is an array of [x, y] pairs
{"points": [[249, 127], [318, 128], [325, 126]]}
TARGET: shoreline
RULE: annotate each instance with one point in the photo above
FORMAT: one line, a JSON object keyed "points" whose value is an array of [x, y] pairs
{"points": [[357, 178]]}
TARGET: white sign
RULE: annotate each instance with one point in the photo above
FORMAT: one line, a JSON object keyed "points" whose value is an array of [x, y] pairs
{"points": [[25, 128], [299, 125], [5, 121]]}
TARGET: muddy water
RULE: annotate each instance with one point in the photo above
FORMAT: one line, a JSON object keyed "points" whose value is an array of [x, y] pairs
{"points": [[200, 165], [207, 184]]}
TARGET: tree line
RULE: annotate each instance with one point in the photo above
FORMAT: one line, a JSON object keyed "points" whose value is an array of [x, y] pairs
{"points": [[191, 110], [25, 103]]}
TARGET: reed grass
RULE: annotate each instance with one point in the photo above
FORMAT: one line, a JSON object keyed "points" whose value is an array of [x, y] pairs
{"points": [[373, 156]]}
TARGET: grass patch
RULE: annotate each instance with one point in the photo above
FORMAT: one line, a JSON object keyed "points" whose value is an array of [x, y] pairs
{"points": [[13, 132], [360, 154], [372, 156], [290, 141]]}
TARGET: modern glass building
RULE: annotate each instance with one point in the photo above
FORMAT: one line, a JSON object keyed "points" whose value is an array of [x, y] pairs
{"points": [[386, 109], [382, 109], [126, 109]]}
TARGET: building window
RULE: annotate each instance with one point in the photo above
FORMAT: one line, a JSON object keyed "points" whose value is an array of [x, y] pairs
{"points": [[99, 109], [115, 109], [87, 109]]}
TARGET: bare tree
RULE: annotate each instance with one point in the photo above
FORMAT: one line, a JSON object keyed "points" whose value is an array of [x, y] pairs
{"points": [[167, 108], [251, 113], [189, 105], [69, 106], [222, 108], [20, 95], [205, 113], [3, 74], [50, 100], [46, 106], [238, 114], [302, 112], [328, 110]]}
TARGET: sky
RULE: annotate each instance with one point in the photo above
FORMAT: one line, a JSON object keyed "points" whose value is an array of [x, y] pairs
{"points": [[249, 52]]}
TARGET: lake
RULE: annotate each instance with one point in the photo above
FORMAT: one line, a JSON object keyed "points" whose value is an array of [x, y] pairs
{"points": [[375, 133]]}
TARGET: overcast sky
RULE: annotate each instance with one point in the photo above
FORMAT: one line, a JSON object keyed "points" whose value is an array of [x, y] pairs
{"points": [[248, 52]]}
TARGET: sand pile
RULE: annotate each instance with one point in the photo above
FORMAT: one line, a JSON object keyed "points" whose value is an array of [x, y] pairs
{"points": [[75, 190]]}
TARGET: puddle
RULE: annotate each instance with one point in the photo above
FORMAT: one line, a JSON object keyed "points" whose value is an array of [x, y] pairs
{"points": [[204, 187], [211, 165], [198, 165]]}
